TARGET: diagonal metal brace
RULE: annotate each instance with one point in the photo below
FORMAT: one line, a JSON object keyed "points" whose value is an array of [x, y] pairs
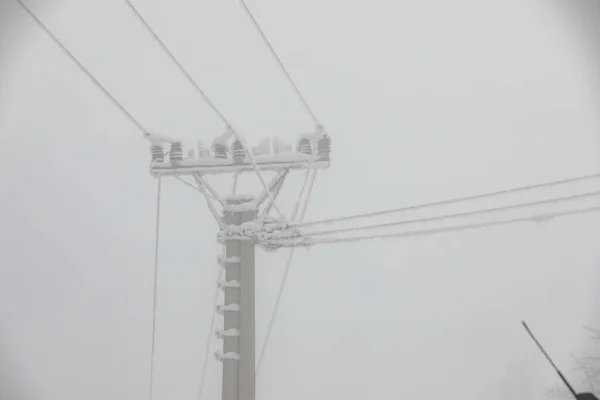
{"points": [[274, 187]]}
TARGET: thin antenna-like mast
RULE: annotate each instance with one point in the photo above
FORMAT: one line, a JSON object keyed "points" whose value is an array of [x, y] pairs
{"points": [[562, 377]]}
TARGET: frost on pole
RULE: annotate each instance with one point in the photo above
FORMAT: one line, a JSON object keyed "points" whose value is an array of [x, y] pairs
{"points": [[244, 223]]}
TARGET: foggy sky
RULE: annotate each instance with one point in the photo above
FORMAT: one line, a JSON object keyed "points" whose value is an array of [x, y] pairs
{"points": [[423, 100]]}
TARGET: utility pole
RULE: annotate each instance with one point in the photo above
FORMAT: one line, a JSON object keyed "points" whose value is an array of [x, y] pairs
{"points": [[244, 223], [239, 306]]}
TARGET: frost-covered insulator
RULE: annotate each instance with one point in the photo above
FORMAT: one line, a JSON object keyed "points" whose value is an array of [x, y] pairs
{"points": [[220, 150], [220, 333], [176, 153], [304, 146], [324, 148], [228, 284], [239, 154], [158, 153], [227, 356], [230, 307]]}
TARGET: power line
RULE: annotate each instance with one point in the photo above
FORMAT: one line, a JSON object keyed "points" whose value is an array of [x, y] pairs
{"points": [[177, 63], [228, 125], [155, 292], [446, 202], [460, 215], [299, 203], [85, 70], [282, 286], [407, 222], [427, 232], [285, 71]]}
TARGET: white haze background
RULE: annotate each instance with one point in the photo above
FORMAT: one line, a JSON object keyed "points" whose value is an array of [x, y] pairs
{"points": [[423, 100]]}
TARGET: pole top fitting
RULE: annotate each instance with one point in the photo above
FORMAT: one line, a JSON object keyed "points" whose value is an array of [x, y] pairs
{"points": [[239, 199]]}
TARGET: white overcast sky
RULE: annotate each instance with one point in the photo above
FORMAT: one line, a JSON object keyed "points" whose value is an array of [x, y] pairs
{"points": [[424, 100]]}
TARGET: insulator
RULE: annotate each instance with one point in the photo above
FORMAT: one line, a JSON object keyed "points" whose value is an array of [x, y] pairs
{"points": [[158, 154], [176, 153], [239, 153], [324, 148], [304, 146], [220, 151]]}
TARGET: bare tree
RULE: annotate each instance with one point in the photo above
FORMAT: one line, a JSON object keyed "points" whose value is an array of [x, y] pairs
{"points": [[587, 371]]}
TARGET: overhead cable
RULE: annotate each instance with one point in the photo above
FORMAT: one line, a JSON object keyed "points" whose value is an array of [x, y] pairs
{"points": [[85, 70], [228, 125], [177, 63], [155, 291], [285, 71], [427, 232], [459, 215], [447, 202], [282, 286]]}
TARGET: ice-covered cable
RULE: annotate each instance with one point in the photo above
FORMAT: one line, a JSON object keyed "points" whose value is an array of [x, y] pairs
{"points": [[280, 63], [176, 62], [210, 330], [458, 215], [426, 232], [155, 287], [447, 202], [282, 286], [207, 100], [308, 196], [82, 68]]}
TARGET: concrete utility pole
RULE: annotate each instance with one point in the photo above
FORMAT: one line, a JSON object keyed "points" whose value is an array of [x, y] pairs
{"points": [[238, 374], [244, 223]]}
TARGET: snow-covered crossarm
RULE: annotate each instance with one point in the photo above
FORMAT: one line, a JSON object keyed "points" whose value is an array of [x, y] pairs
{"points": [[290, 161], [225, 158]]}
